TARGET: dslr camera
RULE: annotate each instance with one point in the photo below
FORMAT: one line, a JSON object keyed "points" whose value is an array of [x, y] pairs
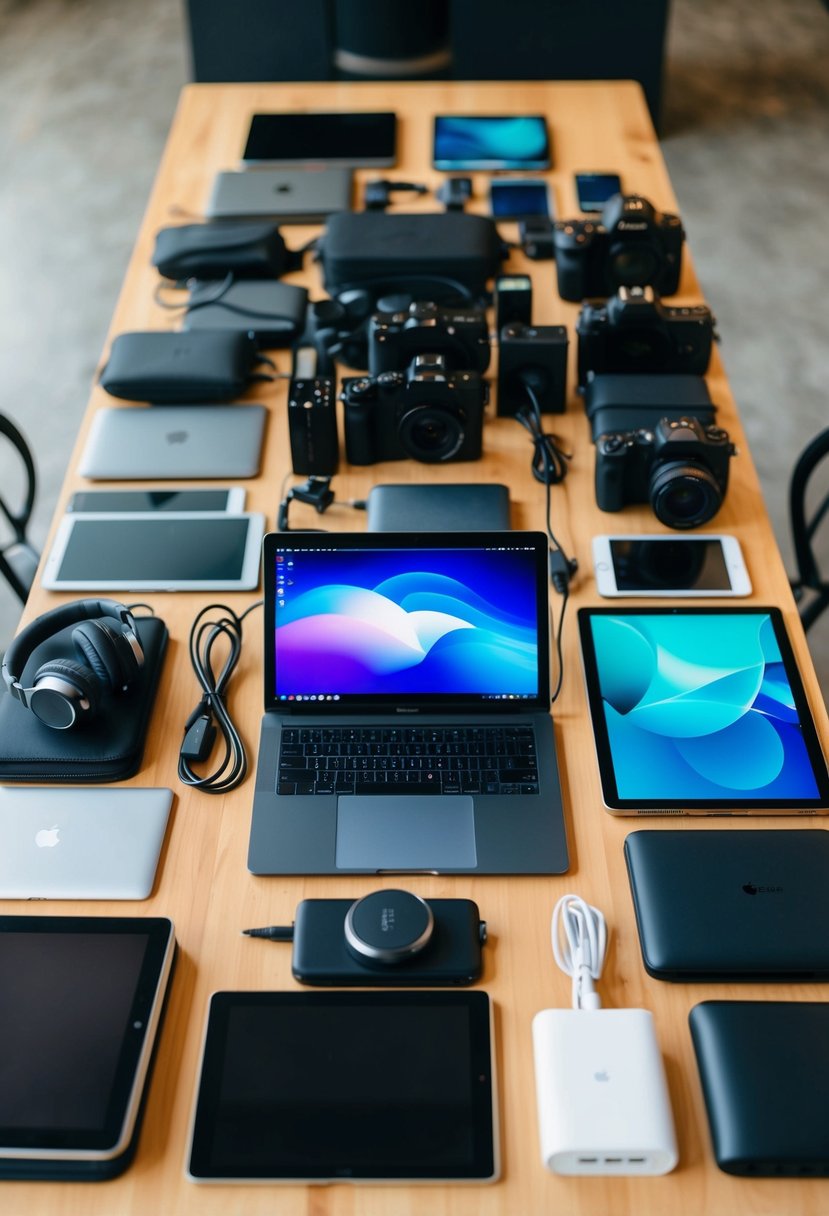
{"points": [[427, 413], [632, 245], [635, 332], [670, 456], [459, 334]]}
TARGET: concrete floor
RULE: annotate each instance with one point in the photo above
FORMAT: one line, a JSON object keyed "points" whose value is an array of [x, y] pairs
{"points": [[87, 90]]}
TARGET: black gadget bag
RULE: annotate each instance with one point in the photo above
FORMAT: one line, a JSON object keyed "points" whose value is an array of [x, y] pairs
{"points": [[176, 368], [247, 249], [365, 248], [273, 314], [109, 748]]}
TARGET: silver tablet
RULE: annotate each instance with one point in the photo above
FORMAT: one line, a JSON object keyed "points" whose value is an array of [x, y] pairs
{"points": [[170, 551]]}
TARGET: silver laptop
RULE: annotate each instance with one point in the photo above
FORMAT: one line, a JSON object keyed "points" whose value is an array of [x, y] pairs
{"points": [[161, 441], [72, 842], [291, 196], [407, 696]]}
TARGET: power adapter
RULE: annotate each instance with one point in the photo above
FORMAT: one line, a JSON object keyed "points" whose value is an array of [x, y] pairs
{"points": [[603, 1105]]}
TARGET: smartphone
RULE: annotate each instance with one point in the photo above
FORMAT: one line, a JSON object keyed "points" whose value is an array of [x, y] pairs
{"points": [[355, 139], [111, 501], [162, 551], [594, 189], [523, 199], [496, 141], [669, 566]]}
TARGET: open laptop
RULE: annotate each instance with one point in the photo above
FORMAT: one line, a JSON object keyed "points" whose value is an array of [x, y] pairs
{"points": [[731, 905], [71, 842], [407, 695], [158, 441]]}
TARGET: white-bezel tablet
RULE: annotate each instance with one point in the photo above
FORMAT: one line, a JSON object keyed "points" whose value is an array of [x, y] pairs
{"points": [[156, 551], [715, 562]]}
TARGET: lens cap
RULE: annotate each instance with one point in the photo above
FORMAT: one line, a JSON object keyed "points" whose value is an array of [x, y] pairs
{"points": [[388, 926]]}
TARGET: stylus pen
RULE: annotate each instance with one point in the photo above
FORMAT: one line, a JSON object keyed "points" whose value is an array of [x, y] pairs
{"points": [[274, 933]]}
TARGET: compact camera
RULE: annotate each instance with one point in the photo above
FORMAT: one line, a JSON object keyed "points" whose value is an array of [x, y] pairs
{"points": [[388, 938], [657, 441], [426, 413], [460, 335], [633, 245], [635, 332]]}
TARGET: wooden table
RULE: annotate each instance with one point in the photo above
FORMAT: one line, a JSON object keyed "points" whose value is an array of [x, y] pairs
{"points": [[204, 884]]}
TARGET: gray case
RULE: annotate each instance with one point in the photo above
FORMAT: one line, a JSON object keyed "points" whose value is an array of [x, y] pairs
{"points": [[470, 507], [292, 196]]}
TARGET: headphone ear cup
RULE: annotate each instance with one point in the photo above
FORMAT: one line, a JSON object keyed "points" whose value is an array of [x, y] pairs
{"points": [[56, 708], [107, 652]]}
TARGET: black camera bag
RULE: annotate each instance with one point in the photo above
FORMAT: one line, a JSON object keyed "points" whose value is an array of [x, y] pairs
{"points": [[247, 249], [445, 252]]}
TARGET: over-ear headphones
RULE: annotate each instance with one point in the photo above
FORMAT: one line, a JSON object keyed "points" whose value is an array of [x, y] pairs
{"points": [[64, 692]]}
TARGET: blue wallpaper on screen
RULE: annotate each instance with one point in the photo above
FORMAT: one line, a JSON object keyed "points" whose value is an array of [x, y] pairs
{"points": [[407, 622], [700, 707]]}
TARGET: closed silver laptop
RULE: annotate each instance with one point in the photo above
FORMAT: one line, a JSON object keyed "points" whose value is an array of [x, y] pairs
{"points": [[163, 441], [72, 842]]}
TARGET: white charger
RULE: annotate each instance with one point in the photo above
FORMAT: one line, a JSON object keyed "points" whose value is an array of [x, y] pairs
{"points": [[603, 1105]]}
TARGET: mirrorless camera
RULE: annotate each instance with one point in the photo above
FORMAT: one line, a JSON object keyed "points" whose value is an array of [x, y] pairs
{"points": [[657, 442], [459, 334], [426, 413], [388, 938], [633, 245], [635, 332]]}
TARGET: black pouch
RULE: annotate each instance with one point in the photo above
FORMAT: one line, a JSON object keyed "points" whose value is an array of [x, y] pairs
{"points": [[109, 748], [176, 368], [434, 254], [247, 249]]}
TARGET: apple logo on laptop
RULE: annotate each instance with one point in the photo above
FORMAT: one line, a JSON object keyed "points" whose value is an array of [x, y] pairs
{"points": [[282, 188], [47, 838], [177, 436], [750, 889]]}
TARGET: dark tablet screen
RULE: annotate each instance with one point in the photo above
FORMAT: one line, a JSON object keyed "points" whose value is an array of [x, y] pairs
{"points": [[345, 1085], [78, 999], [698, 708]]}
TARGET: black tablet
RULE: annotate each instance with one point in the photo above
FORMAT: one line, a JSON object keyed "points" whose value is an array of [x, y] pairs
{"points": [[80, 1003], [700, 710], [346, 1086]]}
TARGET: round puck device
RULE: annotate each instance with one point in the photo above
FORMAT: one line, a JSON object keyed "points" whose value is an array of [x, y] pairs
{"points": [[388, 926]]}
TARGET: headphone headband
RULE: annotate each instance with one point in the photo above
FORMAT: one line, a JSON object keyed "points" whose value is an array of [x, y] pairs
{"points": [[26, 642]]}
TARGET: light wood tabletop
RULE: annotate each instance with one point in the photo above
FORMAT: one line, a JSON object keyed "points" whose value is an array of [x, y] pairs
{"points": [[203, 882]]}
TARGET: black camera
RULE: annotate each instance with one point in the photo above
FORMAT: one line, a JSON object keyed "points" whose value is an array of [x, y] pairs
{"points": [[459, 334], [672, 456], [425, 413], [633, 245], [635, 332], [388, 938]]}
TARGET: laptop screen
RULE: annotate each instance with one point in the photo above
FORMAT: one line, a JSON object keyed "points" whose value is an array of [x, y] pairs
{"points": [[387, 618]]}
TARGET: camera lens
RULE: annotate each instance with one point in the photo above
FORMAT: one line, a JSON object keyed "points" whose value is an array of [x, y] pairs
{"points": [[430, 434], [684, 495], [634, 265]]}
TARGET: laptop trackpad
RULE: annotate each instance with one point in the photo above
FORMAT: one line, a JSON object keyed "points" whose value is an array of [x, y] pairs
{"points": [[401, 832]]}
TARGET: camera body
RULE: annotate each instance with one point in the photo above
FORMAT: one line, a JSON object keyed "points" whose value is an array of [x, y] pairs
{"points": [[425, 413], [632, 245], [389, 938], [635, 332], [657, 442], [459, 334]]}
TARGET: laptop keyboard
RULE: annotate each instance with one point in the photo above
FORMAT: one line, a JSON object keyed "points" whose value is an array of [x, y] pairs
{"points": [[408, 760]]}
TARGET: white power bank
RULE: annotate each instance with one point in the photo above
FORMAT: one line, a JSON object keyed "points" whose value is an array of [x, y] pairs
{"points": [[603, 1105]]}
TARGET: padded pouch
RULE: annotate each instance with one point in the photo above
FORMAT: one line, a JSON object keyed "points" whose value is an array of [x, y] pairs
{"points": [[272, 313], [176, 368], [109, 747], [397, 250], [247, 249]]}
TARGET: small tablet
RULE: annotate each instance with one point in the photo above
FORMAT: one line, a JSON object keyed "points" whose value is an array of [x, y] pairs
{"points": [[80, 1006], [700, 711], [346, 1087], [159, 551]]}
